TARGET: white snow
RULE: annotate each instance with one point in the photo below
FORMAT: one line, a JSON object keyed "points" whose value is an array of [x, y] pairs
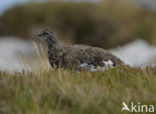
{"points": [[11, 51], [138, 53]]}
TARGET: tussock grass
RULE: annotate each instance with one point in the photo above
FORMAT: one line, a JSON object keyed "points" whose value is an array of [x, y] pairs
{"points": [[66, 92]]}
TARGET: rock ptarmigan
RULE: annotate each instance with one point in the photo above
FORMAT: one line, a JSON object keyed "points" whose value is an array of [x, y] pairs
{"points": [[78, 57]]}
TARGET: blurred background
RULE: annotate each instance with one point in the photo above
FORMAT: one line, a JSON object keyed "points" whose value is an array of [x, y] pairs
{"points": [[127, 28]]}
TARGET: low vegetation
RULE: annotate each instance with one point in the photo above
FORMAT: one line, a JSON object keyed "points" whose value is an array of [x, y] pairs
{"points": [[103, 24], [68, 92]]}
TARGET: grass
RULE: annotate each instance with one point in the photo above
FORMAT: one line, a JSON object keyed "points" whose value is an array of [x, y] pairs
{"points": [[68, 92]]}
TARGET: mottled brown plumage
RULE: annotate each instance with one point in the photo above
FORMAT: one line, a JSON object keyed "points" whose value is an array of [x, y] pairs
{"points": [[77, 57]]}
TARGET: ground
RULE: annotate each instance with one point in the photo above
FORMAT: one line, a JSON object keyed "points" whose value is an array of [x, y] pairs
{"points": [[69, 92]]}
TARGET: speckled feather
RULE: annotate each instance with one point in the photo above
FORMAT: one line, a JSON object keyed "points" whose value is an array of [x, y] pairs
{"points": [[75, 55]]}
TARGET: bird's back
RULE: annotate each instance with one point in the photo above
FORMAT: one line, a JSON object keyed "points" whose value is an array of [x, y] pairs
{"points": [[91, 55]]}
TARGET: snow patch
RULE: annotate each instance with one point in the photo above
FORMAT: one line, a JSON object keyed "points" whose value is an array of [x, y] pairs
{"points": [[11, 52], [138, 53]]}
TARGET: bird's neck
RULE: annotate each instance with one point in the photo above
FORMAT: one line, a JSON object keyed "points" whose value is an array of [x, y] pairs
{"points": [[54, 47], [52, 42]]}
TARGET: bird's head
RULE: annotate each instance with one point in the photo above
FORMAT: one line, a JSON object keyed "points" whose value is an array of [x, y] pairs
{"points": [[48, 36]]}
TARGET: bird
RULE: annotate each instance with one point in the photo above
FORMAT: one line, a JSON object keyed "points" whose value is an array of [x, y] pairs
{"points": [[78, 57]]}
